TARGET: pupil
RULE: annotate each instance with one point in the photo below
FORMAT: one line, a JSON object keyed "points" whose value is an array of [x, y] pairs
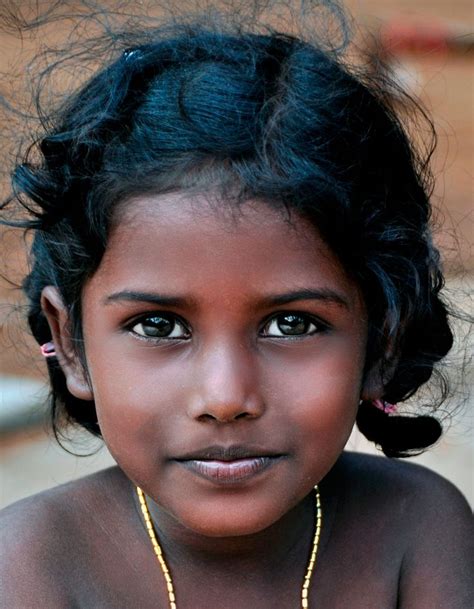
{"points": [[158, 326], [293, 324]]}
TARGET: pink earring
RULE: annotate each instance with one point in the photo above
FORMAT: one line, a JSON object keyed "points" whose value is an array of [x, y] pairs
{"points": [[48, 350], [385, 406]]}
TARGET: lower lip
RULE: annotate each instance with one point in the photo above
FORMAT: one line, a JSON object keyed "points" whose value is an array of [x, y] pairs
{"points": [[230, 472]]}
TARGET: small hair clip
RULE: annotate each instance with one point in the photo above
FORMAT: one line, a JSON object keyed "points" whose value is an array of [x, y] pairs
{"points": [[385, 406], [48, 350]]}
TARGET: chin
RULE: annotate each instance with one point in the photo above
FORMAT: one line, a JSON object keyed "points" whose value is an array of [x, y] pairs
{"points": [[225, 527], [229, 521]]}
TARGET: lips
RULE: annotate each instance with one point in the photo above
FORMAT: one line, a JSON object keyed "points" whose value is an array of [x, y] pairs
{"points": [[229, 465]]}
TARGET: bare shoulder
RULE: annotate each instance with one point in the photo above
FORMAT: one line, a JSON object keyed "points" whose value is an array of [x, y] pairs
{"points": [[405, 480], [57, 508], [399, 487], [433, 523], [40, 536]]}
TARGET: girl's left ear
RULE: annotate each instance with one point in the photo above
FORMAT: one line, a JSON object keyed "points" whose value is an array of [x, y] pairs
{"points": [[373, 387], [57, 316]]}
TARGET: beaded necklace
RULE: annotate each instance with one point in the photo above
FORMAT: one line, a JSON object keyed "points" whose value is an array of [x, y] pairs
{"points": [[167, 574]]}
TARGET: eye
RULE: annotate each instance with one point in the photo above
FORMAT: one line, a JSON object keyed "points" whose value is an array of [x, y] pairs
{"points": [[160, 326], [292, 324]]}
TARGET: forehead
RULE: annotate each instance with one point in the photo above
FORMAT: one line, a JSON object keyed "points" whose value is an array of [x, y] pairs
{"points": [[195, 243], [211, 214]]}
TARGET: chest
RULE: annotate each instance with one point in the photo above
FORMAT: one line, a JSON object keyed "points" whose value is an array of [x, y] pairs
{"points": [[347, 574]]}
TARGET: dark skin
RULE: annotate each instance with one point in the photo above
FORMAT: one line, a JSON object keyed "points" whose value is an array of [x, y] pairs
{"points": [[206, 329]]}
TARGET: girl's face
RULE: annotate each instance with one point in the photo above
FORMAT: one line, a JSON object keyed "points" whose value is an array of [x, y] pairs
{"points": [[225, 356]]}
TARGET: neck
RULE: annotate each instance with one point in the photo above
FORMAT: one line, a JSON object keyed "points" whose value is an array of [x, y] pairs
{"points": [[288, 540]]}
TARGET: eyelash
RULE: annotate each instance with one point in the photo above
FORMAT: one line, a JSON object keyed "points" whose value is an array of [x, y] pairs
{"points": [[172, 318], [319, 326]]}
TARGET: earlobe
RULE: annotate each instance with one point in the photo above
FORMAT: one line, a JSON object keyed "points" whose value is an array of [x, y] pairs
{"points": [[57, 316], [373, 385], [376, 379]]}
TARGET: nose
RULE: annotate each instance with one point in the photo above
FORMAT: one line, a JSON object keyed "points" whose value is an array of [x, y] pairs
{"points": [[225, 386]]}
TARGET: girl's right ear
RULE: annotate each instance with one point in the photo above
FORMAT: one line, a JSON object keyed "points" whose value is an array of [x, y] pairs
{"points": [[58, 319]]}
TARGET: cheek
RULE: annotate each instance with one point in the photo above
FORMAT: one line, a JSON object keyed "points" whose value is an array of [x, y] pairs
{"points": [[319, 398], [135, 405]]}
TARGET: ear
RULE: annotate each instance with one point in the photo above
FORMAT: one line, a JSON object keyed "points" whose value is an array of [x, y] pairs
{"points": [[373, 387], [58, 319]]}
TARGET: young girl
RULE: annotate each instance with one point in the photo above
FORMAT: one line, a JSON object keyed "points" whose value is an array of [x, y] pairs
{"points": [[231, 265]]}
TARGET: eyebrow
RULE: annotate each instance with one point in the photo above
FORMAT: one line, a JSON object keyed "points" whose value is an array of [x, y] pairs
{"points": [[161, 300], [322, 294]]}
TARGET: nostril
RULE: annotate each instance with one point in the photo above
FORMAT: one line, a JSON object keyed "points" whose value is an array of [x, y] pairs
{"points": [[242, 415], [207, 417]]}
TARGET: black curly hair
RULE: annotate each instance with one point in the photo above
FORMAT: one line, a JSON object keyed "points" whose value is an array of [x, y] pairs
{"points": [[249, 114]]}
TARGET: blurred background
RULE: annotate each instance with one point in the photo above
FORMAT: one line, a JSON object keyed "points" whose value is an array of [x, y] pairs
{"points": [[430, 44]]}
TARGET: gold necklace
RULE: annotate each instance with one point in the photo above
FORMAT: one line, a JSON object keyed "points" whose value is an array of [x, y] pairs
{"points": [[166, 572]]}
